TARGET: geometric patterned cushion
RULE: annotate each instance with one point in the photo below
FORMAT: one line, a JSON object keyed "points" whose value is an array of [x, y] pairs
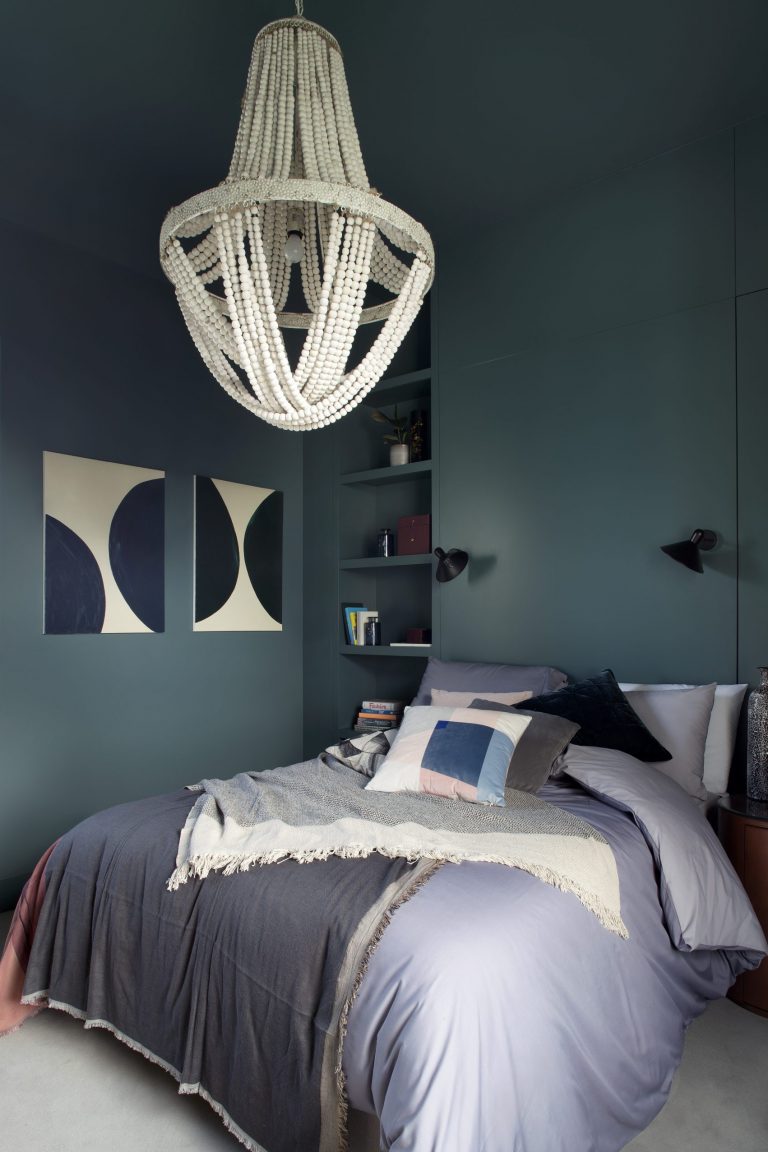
{"points": [[461, 753]]}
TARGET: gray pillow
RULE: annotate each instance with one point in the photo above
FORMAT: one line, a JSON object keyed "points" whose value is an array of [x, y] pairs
{"points": [[468, 676], [538, 748], [680, 721], [704, 903], [445, 698]]}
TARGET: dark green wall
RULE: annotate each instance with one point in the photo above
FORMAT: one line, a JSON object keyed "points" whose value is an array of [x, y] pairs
{"points": [[603, 391], [96, 362], [752, 319], [567, 467], [324, 458], [752, 352], [602, 362]]}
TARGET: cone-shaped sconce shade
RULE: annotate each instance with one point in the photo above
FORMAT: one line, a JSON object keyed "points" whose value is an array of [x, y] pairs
{"points": [[688, 552], [450, 563]]}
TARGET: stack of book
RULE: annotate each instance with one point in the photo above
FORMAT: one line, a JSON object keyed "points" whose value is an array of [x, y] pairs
{"points": [[375, 715]]}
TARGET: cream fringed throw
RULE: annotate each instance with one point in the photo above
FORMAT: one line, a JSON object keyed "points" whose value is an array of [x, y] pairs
{"points": [[320, 808]]}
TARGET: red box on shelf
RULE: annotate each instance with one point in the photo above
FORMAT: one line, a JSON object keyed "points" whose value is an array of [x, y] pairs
{"points": [[413, 535], [418, 635]]}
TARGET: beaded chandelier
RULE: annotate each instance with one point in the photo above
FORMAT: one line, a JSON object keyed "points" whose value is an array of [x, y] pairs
{"points": [[293, 238]]}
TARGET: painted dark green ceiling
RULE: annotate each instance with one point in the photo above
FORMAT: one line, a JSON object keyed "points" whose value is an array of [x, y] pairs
{"points": [[114, 111]]}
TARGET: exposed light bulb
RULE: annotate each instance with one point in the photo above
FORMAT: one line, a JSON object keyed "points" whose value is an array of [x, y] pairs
{"points": [[294, 247]]}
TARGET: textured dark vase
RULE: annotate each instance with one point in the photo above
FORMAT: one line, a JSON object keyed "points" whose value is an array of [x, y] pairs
{"points": [[757, 740]]}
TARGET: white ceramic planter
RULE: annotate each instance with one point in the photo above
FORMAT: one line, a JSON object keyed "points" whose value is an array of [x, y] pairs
{"points": [[398, 453]]}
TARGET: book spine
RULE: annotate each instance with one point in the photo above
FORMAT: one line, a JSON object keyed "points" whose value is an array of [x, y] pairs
{"points": [[382, 706], [392, 717], [374, 725], [352, 621], [363, 617]]}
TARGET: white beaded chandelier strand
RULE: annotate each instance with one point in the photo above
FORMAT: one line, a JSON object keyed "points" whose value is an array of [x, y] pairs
{"points": [[296, 193]]}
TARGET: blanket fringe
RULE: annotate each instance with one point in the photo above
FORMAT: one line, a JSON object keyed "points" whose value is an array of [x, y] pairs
{"points": [[341, 1080], [41, 999], [198, 867]]}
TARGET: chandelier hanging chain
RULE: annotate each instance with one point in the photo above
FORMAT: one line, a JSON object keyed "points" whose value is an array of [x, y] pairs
{"points": [[296, 193]]}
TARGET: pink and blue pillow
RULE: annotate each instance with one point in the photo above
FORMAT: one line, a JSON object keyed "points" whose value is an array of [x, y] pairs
{"points": [[460, 753]]}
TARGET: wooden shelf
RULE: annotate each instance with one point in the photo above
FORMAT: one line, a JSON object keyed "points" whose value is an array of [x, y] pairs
{"points": [[387, 561], [392, 474], [383, 650], [399, 389]]}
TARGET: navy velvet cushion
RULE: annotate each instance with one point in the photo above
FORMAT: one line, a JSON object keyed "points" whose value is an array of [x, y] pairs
{"points": [[605, 717]]}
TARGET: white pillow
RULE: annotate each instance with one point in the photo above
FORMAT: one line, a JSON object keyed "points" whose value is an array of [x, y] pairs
{"points": [[446, 698], [679, 721], [721, 735]]}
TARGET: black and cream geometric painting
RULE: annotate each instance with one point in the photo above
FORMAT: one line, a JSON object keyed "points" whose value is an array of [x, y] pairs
{"points": [[104, 546], [238, 557]]}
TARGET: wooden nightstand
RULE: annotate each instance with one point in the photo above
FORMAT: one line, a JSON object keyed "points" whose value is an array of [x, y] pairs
{"points": [[743, 828]]}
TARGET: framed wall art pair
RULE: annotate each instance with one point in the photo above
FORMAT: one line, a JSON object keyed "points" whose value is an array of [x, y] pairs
{"points": [[104, 551]]}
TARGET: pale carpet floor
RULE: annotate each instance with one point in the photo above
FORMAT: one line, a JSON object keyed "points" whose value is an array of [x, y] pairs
{"points": [[65, 1089]]}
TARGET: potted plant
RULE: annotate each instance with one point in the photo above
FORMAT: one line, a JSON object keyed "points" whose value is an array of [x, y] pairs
{"points": [[399, 436]]}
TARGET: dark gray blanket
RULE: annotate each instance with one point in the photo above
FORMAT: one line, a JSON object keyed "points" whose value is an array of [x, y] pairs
{"points": [[192, 979]]}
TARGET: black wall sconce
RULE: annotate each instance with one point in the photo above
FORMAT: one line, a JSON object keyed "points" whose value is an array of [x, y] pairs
{"points": [[688, 552], [450, 564]]}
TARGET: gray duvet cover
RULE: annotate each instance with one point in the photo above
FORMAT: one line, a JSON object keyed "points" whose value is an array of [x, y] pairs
{"points": [[496, 1014]]}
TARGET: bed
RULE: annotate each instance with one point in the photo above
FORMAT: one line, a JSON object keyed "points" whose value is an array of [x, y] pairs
{"points": [[484, 1007]]}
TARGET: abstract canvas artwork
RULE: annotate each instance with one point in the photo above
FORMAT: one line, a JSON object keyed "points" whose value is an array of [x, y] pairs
{"points": [[104, 546], [238, 557]]}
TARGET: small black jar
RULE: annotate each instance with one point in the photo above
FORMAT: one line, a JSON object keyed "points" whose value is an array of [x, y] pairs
{"points": [[385, 542]]}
